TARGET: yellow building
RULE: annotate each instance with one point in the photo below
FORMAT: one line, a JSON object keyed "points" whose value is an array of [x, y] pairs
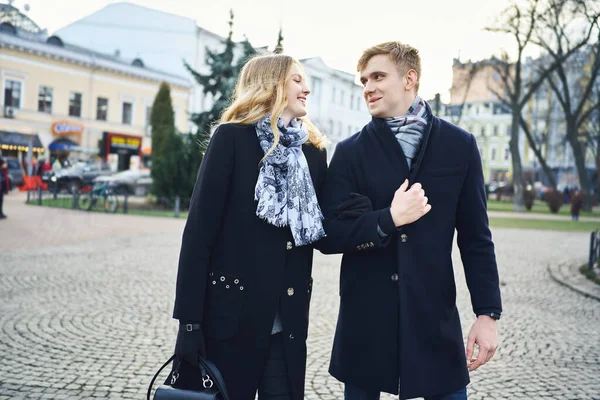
{"points": [[74, 102]]}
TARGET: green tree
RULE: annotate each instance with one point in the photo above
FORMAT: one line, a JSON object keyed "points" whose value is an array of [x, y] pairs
{"points": [[162, 119], [170, 158], [219, 82], [279, 45]]}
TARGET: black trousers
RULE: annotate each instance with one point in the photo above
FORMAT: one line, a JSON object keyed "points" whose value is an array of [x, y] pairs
{"points": [[274, 384], [1, 200]]}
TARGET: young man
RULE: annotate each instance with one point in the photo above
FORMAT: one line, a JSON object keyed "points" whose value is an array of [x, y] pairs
{"points": [[398, 328]]}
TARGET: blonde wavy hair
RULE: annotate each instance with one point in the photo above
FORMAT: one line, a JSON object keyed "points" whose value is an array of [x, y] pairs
{"points": [[262, 89]]}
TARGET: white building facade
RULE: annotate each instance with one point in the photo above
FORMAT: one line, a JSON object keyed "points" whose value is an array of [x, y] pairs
{"points": [[164, 40], [336, 104]]}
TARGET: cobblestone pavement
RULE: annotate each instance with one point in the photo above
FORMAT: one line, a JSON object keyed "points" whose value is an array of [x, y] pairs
{"points": [[85, 304]]}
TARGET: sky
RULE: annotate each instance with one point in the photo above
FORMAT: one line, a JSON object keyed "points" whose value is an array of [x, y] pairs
{"points": [[336, 30]]}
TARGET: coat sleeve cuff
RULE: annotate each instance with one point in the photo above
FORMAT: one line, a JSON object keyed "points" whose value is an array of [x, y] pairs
{"points": [[385, 222]]}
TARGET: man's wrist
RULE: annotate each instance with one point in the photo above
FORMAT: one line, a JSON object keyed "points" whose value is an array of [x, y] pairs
{"points": [[386, 222], [493, 315]]}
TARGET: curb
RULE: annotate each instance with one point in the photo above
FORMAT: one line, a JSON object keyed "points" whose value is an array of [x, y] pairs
{"points": [[579, 288]]}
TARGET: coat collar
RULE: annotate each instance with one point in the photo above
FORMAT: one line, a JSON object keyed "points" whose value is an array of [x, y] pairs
{"points": [[382, 133]]}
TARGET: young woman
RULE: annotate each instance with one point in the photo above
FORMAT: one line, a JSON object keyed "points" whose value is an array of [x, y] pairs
{"points": [[244, 279]]}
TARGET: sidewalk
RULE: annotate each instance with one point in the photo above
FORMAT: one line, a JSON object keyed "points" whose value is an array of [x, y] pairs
{"points": [[530, 215], [569, 275]]}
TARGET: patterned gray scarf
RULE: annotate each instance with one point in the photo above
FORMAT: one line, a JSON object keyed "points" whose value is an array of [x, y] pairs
{"points": [[409, 129], [284, 190]]}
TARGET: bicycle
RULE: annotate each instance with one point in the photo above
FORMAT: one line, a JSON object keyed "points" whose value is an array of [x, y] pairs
{"points": [[99, 191]]}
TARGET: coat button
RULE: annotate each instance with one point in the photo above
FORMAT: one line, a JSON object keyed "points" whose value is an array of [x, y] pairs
{"points": [[291, 291], [289, 245], [236, 281], [404, 237], [394, 277], [222, 279]]}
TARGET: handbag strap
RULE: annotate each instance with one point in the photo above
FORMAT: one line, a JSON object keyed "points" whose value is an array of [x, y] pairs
{"points": [[213, 371], [156, 376], [207, 369]]}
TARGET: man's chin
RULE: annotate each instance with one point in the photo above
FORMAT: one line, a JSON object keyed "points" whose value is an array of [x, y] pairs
{"points": [[377, 114]]}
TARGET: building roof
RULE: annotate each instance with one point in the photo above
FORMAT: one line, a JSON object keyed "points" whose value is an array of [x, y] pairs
{"points": [[54, 48]]}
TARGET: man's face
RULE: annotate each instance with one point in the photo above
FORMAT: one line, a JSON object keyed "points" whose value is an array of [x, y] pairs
{"points": [[384, 88]]}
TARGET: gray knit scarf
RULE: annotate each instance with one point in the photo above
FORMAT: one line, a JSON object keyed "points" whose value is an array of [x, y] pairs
{"points": [[284, 190], [409, 129]]}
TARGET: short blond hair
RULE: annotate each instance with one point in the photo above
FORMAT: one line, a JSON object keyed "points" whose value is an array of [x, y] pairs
{"points": [[404, 56]]}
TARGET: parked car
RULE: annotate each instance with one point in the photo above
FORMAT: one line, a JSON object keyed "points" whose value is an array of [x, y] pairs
{"points": [[130, 182], [79, 175], [15, 172]]}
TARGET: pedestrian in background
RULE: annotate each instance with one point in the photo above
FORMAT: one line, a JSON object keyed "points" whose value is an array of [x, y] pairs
{"points": [[4, 183], [576, 204]]}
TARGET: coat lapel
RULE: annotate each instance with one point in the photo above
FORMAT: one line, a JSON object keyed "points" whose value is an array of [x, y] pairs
{"points": [[382, 134]]}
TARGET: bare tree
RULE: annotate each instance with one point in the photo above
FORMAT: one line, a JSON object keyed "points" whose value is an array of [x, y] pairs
{"points": [[537, 140], [521, 21], [563, 21]]}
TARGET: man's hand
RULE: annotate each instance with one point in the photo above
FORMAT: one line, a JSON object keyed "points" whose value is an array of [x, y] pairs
{"points": [[409, 205], [483, 334]]}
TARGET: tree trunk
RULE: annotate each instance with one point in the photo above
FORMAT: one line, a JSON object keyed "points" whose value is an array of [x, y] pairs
{"points": [[579, 156], [519, 199], [538, 154]]}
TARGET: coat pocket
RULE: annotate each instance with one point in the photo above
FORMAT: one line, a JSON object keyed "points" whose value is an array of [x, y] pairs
{"points": [[224, 298]]}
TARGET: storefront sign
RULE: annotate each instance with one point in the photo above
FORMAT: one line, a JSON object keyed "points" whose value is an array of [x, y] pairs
{"points": [[64, 128], [117, 143]]}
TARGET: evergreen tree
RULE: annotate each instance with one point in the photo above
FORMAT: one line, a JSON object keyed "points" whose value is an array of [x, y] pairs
{"points": [[219, 82], [279, 45], [162, 119], [170, 160]]}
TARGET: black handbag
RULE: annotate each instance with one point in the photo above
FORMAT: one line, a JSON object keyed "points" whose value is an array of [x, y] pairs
{"points": [[212, 383]]}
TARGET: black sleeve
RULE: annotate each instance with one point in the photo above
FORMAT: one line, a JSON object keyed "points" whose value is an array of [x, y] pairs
{"points": [[475, 239], [203, 224], [346, 235]]}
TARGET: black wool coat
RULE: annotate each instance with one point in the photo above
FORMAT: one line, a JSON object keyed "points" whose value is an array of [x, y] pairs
{"points": [[235, 269], [398, 327]]}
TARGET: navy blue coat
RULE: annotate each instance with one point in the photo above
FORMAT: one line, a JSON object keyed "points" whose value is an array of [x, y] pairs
{"points": [[236, 270], [398, 320]]}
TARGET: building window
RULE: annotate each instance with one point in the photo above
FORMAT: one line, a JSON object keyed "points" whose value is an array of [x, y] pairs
{"points": [[102, 109], [127, 113], [495, 130], [342, 96], [351, 101], [74, 104], [493, 154], [350, 131], [333, 94], [483, 131], [506, 153], [147, 124], [316, 89], [507, 130], [12, 93], [45, 99]]}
